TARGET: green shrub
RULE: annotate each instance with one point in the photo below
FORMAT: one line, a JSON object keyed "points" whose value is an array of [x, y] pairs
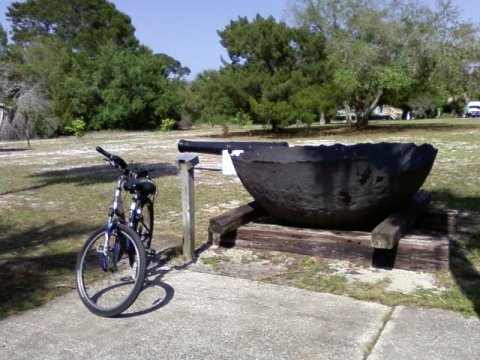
{"points": [[243, 119], [77, 127], [167, 124]]}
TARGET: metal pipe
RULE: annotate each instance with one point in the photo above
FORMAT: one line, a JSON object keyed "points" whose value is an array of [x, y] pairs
{"points": [[216, 147]]}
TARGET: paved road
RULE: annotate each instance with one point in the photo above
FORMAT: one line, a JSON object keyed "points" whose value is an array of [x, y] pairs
{"points": [[192, 315]]}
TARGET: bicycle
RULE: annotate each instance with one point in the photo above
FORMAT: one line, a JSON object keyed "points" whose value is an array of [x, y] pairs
{"points": [[112, 264]]}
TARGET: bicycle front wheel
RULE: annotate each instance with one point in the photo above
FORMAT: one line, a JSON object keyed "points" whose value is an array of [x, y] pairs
{"points": [[110, 279]]}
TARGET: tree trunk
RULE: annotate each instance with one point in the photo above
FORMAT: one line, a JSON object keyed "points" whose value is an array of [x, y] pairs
{"points": [[28, 138], [363, 122], [322, 118], [348, 113], [275, 127], [27, 130]]}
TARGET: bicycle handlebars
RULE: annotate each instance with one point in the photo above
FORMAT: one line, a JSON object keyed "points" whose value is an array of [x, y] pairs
{"points": [[117, 161], [103, 151], [114, 159]]}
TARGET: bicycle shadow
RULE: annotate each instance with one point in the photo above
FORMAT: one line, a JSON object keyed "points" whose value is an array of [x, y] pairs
{"points": [[157, 293], [89, 175]]}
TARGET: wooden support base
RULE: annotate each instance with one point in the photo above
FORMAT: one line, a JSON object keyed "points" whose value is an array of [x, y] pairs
{"points": [[388, 233], [427, 252], [419, 249], [235, 218]]}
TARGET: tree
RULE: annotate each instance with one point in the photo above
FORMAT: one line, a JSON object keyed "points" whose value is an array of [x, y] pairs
{"points": [[3, 43], [56, 43], [172, 68], [83, 25], [390, 50], [29, 111], [210, 97], [133, 89], [83, 55], [270, 62]]}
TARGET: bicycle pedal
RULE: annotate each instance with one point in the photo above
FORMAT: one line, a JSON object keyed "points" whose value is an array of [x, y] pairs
{"points": [[150, 252]]}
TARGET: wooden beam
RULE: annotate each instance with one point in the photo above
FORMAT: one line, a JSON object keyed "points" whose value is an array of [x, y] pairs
{"points": [[416, 251], [235, 218], [419, 249], [444, 220], [347, 245], [388, 233]]}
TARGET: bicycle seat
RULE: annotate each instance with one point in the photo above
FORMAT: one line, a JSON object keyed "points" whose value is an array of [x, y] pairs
{"points": [[144, 188]]}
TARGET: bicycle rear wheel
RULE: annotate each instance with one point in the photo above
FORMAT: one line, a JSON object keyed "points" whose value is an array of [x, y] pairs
{"points": [[145, 224], [109, 284]]}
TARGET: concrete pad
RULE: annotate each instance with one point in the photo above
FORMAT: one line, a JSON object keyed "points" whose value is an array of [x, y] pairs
{"points": [[414, 333], [189, 315]]}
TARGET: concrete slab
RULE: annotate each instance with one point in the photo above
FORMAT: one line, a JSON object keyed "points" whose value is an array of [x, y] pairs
{"points": [[413, 333], [189, 315]]}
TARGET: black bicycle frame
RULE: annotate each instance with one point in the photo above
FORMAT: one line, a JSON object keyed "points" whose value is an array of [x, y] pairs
{"points": [[117, 214], [138, 202]]}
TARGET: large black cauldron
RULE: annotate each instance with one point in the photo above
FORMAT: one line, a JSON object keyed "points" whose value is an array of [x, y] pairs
{"points": [[338, 186]]}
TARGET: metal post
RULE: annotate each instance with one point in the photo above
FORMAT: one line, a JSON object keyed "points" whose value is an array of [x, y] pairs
{"points": [[186, 163]]}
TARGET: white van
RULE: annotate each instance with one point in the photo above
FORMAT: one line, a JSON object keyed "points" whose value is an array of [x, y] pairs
{"points": [[473, 109]]}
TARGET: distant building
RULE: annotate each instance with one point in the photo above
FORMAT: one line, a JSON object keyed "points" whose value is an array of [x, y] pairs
{"points": [[387, 112]]}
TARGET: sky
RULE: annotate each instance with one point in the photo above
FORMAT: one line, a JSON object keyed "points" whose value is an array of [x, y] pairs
{"points": [[187, 29]]}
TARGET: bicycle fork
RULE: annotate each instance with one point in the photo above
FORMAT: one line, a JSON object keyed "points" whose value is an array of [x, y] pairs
{"points": [[118, 246], [121, 244], [112, 266]]}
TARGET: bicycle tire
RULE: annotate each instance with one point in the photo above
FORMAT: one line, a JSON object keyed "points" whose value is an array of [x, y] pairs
{"points": [[145, 224], [108, 290]]}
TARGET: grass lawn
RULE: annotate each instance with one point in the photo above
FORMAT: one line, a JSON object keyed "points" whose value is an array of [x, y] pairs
{"points": [[55, 194]]}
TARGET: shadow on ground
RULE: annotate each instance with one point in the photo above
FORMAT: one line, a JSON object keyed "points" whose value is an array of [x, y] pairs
{"points": [[87, 175], [466, 249], [6, 150], [26, 282], [156, 286], [38, 236]]}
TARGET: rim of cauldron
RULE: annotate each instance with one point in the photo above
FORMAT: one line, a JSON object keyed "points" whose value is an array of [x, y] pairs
{"points": [[391, 155]]}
